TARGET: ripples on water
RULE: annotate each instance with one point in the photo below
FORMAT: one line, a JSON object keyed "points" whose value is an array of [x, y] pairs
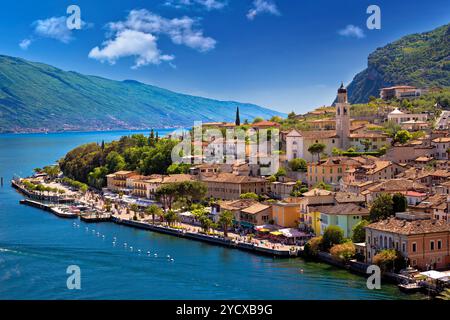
{"points": [[36, 248]]}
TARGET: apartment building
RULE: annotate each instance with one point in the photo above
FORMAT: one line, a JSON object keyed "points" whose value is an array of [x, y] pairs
{"points": [[423, 241], [228, 186]]}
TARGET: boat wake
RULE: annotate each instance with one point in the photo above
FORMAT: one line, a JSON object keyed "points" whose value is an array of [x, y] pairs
{"points": [[9, 251]]}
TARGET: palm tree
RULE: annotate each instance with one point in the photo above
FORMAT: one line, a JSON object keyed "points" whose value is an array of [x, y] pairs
{"points": [[171, 217], [316, 148], [225, 221], [202, 216], [154, 210], [206, 223], [134, 207]]}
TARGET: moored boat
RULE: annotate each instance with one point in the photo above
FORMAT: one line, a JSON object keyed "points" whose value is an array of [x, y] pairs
{"points": [[64, 213]]}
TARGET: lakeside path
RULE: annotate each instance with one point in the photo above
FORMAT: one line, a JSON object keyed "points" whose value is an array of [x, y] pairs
{"points": [[121, 214]]}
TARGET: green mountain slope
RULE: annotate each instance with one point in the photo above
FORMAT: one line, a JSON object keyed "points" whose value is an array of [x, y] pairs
{"points": [[421, 60], [36, 97]]}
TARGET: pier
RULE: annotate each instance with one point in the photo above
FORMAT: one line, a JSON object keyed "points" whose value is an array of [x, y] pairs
{"points": [[57, 211], [94, 217]]}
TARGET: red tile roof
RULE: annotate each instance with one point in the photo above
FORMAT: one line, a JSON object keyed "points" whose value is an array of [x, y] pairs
{"points": [[265, 124], [401, 226], [342, 209]]}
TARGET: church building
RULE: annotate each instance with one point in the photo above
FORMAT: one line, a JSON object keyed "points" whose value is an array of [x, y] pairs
{"points": [[298, 142]]}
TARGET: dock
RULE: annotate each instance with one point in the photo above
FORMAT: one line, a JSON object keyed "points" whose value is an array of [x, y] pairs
{"points": [[49, 208], [94, 217]]}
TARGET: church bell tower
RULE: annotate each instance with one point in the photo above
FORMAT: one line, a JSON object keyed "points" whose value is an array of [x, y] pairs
{"points": [[343, 118]]}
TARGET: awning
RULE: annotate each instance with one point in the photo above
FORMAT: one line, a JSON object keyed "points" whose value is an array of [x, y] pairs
{"points": [[435, 275], [246, 224]]}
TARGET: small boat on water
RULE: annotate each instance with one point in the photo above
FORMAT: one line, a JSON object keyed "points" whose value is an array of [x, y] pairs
{"points": [[64, 213], [409, 287]]}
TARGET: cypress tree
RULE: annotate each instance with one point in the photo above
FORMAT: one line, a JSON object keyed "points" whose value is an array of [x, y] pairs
{"points": [[238, 119], [151, 140]]}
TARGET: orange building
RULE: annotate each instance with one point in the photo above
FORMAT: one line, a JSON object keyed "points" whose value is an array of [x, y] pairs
{"points": [[118, 181], [330, 170], [286, 213], [423, 241]]}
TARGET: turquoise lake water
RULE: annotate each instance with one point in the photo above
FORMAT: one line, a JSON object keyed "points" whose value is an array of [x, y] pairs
{"points": [[36, 248]]}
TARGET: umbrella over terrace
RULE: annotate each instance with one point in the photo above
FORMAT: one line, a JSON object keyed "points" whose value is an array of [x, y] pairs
{"points": [[292, 233], [269, 227], [276, 233]]}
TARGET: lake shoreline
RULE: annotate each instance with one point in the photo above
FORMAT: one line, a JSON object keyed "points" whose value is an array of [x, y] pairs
{"points": [[131, 131]]}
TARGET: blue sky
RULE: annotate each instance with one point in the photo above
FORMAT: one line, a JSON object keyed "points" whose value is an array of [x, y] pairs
{"points": [[283, 54]]}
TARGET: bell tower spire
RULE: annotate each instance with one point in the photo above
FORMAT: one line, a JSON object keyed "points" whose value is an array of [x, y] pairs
{"points": [[342, 94], [343, 117]]}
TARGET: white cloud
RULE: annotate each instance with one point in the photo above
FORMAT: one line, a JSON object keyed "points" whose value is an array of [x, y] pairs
{"points": [[25, 43], [207, 4], [179, 30], [130, 43], [54, 28], [352, 31], [263, 6], [147, 25]]}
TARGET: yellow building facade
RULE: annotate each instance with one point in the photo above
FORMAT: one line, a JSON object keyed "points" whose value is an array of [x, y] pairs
{"points": [[286, 214], [312, 220]]}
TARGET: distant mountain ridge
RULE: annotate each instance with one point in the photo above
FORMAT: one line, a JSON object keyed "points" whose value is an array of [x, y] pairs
{"points": [[421, 60], [39, 97]]}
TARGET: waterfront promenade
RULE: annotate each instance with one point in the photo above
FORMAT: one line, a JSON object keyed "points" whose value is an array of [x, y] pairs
{"points": [[233, 241], [122, 215]]}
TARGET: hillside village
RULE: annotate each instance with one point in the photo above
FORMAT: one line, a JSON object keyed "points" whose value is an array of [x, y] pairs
{"points": [[340, 188], [372, 187]]}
